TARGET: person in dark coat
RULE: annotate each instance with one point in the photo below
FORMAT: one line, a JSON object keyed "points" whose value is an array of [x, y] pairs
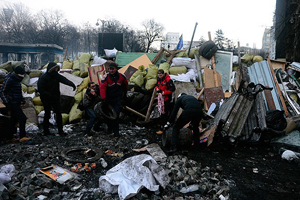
{"points": [[192, 112], [113, 89], [48, 87], [12, 98], [90, 99], [166, 87]]}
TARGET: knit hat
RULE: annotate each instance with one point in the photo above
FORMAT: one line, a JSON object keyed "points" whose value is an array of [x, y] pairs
{"points": [[19, 70], [52, 66], [111, 65]]}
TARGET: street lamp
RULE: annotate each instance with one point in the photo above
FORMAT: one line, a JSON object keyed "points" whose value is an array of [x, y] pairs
{"points": [[97, 24]]}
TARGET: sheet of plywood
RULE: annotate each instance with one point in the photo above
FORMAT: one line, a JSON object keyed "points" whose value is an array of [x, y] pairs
{"points": [[96, 73], [209, 78], [143, 60], [67, 90]]}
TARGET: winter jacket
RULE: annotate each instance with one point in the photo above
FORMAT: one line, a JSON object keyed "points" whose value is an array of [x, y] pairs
{"points": [[166, 85], [91, 102], [11, 90], [188, 103], [113, 86], [48, 85]]}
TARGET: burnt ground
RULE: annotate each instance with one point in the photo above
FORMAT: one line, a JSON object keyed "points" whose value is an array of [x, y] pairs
{"points": [[253, 171]]}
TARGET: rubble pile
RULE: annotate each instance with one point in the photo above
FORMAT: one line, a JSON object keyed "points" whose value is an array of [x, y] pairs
{"points": [[29, 158]]}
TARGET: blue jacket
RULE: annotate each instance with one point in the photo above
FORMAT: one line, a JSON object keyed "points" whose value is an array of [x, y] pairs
{"points": [[11, 90]]}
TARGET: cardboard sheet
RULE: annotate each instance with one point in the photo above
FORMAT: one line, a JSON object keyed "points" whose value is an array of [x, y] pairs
{"points": [[57, 173], [143, 60], [67, 90]]}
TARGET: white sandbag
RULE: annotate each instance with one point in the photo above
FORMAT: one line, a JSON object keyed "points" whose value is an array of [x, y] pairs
{"points": [[111, 53], [187, 62], [6, 172], [187, 77], [98, 61]]}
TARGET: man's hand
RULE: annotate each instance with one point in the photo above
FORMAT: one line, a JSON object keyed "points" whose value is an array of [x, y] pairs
{"points": [[23, 101], [159, 91]]}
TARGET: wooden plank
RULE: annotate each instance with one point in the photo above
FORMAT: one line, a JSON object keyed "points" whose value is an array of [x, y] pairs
{"points": [[135, 112], [214, 66], [269, 99], [158, 55], [279, 91], [209, 78], [150, 106]]}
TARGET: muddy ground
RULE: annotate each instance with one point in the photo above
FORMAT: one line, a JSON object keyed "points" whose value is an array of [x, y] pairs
{"points": [[253, 171]]}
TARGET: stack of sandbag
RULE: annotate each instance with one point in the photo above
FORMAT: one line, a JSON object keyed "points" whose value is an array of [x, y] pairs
{"points": [[138, 76], [151, 77], [251, 58], [183, 69]]}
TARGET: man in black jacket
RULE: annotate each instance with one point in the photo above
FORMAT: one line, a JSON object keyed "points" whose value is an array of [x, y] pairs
{"points": [[48, 87], [12, 98], [192, 112]]}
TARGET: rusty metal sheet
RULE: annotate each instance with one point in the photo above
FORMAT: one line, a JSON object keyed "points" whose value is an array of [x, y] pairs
{"points": [[269, 99], [212, 95]]}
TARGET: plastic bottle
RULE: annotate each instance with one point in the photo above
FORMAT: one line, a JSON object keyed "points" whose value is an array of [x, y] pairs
{"points": [[103, 163], [190, 188]]}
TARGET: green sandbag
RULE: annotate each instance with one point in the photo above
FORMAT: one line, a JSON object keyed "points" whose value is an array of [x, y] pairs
{"points": [[38, 109], [178, 70], [151, 72], [76, 73], [37, 101], [139, 80], [24, 88], [75, 114], [78, 97], [83, 85], [35, 73], [65, 118], [192, 53], [26, 80], [30, 89], [7, 66], [150, 84], [85, 58], [181, 54], [67, 64], [257, 59], [141, 70], [164, 66], [247, 57], [76, 65]]}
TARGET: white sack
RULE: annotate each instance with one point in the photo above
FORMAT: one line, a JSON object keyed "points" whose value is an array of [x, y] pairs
{"points": [[187, 62], [132, 174]]}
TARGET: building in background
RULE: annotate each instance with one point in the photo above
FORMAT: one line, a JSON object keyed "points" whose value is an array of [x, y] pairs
{"points": [[287, 30], [171, 41], [266, 40]]}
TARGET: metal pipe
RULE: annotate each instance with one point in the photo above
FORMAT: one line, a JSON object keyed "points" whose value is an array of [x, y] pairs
{"points": [[192, 38]]}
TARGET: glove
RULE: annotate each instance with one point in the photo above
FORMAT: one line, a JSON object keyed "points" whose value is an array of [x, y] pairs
{"points": [[74, 87], [167, 125], [23, 102], [159, 91]]}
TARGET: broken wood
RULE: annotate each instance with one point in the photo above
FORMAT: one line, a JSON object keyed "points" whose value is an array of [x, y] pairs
{"points": [[135, 112], [278, 88], [65, 55], [150, 106]]}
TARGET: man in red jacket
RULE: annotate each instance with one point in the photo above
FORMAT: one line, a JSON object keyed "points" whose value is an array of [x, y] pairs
{"points": [[166, 87], [113, 89]]}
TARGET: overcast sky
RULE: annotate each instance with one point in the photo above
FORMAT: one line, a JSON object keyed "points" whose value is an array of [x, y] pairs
{"points": [[240, 20]]}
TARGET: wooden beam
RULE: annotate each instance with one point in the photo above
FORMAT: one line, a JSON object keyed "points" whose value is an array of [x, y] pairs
{"points": [[278, 88], [150, 106], [135, 112]]}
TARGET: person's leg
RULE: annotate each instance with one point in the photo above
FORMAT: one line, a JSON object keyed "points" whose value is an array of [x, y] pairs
{"points": [[57, 111], [12, 129], [92, 117], [47, 108], [21, 118], [195, 123], [182, 120], [115, 123]]}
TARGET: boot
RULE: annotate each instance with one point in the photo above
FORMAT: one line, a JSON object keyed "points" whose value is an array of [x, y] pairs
{"points": [[172, 149]]}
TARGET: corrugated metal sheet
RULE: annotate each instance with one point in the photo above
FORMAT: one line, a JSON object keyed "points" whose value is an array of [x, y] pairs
{"points": [[261, 73]]}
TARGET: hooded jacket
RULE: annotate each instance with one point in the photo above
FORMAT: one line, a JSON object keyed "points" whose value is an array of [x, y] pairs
{"points": [[11, 90], [114, 86], [48, 84], [166, 85]]}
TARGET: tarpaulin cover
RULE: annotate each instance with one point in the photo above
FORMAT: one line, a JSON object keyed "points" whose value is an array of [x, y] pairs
{"points": [[132, 174]]}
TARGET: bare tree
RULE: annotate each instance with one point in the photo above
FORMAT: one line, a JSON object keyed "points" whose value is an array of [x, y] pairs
{"points": [[153, 30]]}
